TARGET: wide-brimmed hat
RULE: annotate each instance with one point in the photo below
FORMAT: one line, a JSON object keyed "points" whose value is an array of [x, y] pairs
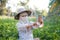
{"points": [[20, 11]]}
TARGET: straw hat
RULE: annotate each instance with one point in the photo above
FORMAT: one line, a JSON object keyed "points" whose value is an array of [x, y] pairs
{"points": [[20, 11]]}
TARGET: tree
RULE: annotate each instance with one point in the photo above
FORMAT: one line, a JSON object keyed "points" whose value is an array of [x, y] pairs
{"points": [[24, 2], [2, 5], [54, 11]]}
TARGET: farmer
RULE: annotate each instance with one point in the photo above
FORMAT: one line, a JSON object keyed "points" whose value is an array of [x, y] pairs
{"points": [[24, 26]]}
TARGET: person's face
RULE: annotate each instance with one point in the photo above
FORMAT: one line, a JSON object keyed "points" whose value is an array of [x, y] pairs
{"points": [[23, 16]]}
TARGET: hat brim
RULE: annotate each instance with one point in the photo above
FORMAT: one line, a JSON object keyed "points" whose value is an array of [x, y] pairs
{"points": [[28, 12]]}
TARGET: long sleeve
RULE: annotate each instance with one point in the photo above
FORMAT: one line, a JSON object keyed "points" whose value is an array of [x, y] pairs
{"points": [[39, 25], [24, 34], [21, 27], [35, 27]]}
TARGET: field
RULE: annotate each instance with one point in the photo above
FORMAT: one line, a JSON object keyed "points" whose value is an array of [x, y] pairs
{"points": [[50, 31]]}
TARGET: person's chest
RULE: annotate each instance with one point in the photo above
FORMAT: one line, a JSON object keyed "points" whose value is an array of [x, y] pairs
{"points": [[25, 29]]}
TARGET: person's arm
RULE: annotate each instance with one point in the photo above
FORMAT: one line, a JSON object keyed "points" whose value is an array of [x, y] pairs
{"points": [[39, 23], [22, 26]]}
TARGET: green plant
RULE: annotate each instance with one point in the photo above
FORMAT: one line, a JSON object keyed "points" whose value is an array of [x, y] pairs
{"points": [[50, 31]]}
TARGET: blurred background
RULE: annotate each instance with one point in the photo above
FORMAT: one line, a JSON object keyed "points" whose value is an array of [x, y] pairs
{"points": [[49, 9]]}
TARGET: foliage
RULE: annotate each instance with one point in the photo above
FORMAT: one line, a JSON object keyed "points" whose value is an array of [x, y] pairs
{"points": [[8, 29], [2, 5], [50, 31], [58, 1]]}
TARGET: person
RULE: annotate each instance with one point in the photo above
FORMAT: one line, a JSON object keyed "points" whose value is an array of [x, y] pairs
{"points": [[24, 26]]}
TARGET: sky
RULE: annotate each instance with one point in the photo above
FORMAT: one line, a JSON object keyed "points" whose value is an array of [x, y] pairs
{"points": [[40, 4]]}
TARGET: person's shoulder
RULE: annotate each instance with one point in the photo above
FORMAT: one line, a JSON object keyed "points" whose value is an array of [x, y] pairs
{"points": [[18, 23]]}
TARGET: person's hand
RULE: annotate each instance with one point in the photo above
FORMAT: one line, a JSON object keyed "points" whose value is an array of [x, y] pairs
{"points": [[40, 20], [29, 27], [35, 24]]}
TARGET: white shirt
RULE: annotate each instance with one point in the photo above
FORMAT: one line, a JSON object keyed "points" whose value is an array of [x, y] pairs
{"points": [[24, 34]]}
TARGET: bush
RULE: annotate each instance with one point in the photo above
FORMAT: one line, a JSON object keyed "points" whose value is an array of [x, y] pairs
{"points": [[50, 31], [8, 29]]}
